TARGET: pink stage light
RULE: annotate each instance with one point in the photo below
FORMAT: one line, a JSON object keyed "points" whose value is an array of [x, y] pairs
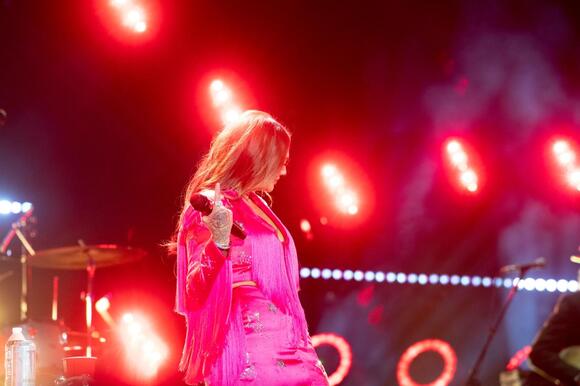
{"points": [[461, 165], [566, 158], [440, 347], [344, 351]]}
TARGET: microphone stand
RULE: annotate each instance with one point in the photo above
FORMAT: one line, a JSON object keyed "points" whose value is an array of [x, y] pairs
{"points": [[473, 373]]}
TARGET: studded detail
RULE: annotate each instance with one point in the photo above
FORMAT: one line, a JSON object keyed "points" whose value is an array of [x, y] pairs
{"points": [[272, 307], [254, 322], [244, 258], [280, 363], [249, 372]]}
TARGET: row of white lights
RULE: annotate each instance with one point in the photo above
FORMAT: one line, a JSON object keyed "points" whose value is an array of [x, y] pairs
{"points": [[14, 207], [528, 284]]}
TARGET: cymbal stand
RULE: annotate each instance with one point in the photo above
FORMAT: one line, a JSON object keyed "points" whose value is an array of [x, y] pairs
{"points": [[91, 268], [16, 230], [473, 373]]}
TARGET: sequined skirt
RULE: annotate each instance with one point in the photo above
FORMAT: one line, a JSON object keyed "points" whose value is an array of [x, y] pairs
{"points": [[271, 359]]}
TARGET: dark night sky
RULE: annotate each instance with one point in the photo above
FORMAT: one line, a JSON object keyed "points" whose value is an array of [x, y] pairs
{"points": [[102, 134]]}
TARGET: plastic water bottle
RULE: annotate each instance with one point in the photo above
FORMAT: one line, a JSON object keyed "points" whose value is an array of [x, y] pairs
{"points": [[19, 360]]}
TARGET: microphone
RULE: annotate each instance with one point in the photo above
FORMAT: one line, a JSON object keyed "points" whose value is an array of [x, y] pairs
{"points": [[540, 262], [202, 204]]}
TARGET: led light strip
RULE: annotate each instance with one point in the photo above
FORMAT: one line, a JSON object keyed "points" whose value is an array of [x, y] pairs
{"points": [[14, 207], [529, 284]]}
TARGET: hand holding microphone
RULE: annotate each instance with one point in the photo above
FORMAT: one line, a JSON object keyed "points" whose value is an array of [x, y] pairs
{"points": [[219, 221]]}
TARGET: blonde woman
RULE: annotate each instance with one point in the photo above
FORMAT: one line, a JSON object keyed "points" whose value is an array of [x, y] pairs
{"points": [[239, 296]]}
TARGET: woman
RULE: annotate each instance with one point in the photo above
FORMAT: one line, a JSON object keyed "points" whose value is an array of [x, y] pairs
{"points": [[245, 323]]}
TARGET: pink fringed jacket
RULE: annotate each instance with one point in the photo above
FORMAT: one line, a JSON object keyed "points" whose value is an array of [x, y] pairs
{"points": [[215, 344]]}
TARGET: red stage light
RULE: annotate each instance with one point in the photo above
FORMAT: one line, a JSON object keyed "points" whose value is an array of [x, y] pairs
{"points": [[564, 153], [119, 3], [344, 351], [103, 304], [140, 341], [340, 189], [223, 100], [130, 21], [305, 226], [345, 199], [134, 18], [462, 165], [231, 115], [566, 157], [574, 178], [440, 347]]}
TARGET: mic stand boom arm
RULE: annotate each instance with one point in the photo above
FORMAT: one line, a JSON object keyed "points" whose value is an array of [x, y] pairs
{"points": [[473, 373]]}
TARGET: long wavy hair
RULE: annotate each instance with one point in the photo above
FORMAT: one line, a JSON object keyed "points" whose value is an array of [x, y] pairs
{"points": [[241, 157]]}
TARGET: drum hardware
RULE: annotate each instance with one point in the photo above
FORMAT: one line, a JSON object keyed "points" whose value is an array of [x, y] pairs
{"points": [[17, 230], [91, 268], [53, 339], [54, 310]]}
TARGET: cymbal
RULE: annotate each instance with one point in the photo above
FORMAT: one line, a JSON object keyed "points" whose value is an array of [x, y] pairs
{"points": [[76, 257]]}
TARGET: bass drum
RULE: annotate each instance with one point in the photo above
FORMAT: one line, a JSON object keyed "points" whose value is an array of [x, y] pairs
{"points": [[49, 348]]}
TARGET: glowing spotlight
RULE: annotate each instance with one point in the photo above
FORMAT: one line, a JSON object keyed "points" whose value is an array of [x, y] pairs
{"points": [[329, 170], [461, 165], [140, 27], [566, 157], [231, 115], [102, 306], [347, 202], [564, 153], [221, 97], [453, 147], [216, 86], [344, 351], [120, 3], [140, 341], [305, 226], [5, 207], [468, 179], [573, 178], [133, 16], [14, 207], [26, 207]]}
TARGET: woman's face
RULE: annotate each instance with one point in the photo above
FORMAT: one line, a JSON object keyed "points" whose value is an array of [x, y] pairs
{"points": [[268, 185]]}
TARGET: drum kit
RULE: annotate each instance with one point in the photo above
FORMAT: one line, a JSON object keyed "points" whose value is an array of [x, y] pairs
{"points": [[54, 340]]}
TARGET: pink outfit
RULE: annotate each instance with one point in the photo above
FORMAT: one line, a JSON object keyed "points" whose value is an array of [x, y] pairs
{"points": [[247, 335]]}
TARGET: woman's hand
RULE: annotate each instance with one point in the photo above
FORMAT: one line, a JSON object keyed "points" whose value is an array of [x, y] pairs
{"points": [[219, 221]]}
